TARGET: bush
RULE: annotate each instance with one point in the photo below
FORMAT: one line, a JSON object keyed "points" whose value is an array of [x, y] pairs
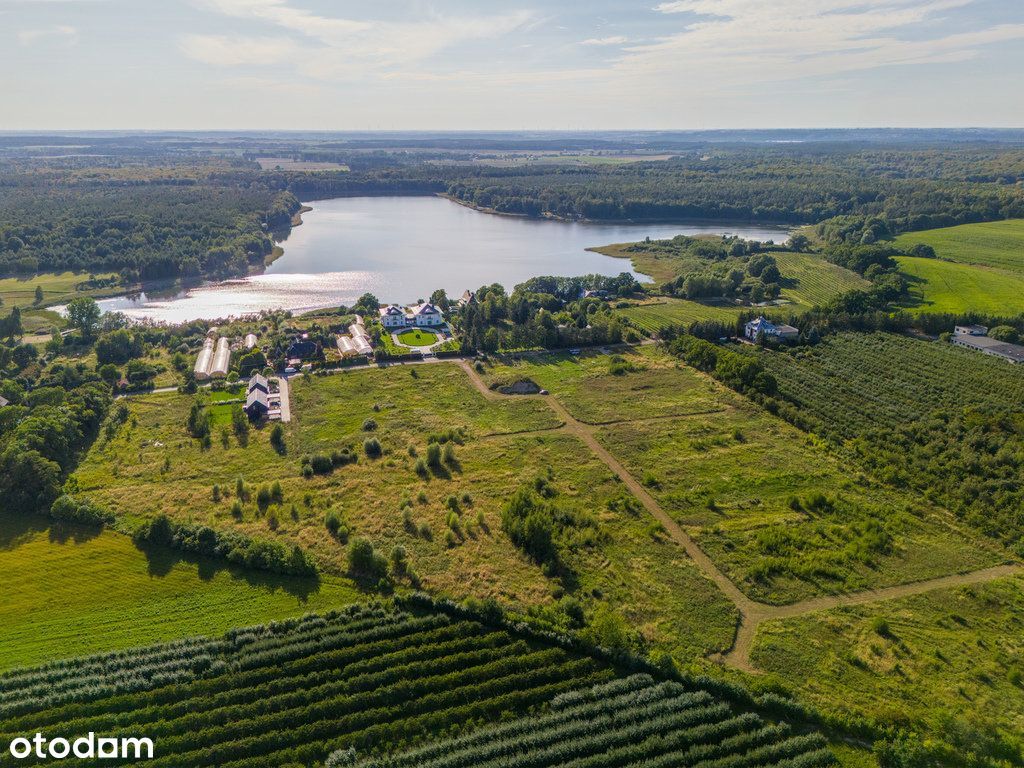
{"points": [[73, 510], [434, 455], [369, 425], [364, 561], [277, 440], [372, 448]]}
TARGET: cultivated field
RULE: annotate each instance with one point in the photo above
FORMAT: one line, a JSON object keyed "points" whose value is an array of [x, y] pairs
{"points": [[992, 244], [372, 680], [951, 661], [73, 590], [945, 286]]}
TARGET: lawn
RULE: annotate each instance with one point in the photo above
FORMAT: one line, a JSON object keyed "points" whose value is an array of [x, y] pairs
{"points": [[993, 244], [70, 591], [152, 464], [417, 337], [950, 661], [781, 515], [946, 286], [649, 383]]}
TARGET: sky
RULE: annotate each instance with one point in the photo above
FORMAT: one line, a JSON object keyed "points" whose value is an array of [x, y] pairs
{"points": [[516, 64]]}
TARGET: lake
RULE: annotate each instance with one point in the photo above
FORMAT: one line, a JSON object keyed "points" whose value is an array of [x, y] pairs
{"points": [[403, 248]]}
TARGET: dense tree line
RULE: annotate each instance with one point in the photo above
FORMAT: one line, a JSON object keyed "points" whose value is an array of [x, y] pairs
{"points": [[158, 227]]}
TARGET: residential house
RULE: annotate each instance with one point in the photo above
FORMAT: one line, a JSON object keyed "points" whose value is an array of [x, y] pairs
{"points": [[251, 341], [770, 330], [4, 402], [259, 382], [468, 297], [425, 315], [301, 348], [392, 316], [257, 404]]}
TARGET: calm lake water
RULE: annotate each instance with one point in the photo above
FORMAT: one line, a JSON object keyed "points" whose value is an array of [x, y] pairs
{"points": [[402, 249]]}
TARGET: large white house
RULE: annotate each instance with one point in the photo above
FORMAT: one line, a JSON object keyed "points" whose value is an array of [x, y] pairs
{"points": [[426, 315], [762, 325], [392, 316]]}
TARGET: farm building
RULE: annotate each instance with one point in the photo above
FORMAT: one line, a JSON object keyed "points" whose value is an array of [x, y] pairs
{"points": [[345, 347], [205, 360], [221, 358], [251, 341], [970, 330], [392, 316], [762, 325], [1013, 353], [426, 315], [257, 404]]}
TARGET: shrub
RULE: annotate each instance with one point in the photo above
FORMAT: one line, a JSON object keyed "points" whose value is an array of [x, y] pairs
{"points": [[320, 464], [277, 440], [216, 492], [276, 494], [421, 469], [434, 455], [263, 498], [399, 561], [369, 425], [73, 510], [365, 561], [236, 510], [372, 448]]}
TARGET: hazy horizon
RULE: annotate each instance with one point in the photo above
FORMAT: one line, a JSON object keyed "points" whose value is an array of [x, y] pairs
{"points": [[456, 65]]}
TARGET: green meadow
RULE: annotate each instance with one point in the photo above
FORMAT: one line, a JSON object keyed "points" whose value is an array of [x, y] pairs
{"points": [[70, 591], [946, 286], [951, 661], [997, 244]]}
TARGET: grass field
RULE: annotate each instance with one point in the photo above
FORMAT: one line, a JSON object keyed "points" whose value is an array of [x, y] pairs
{"points": [[945, 286], [993, 244], [808, 281], [658, 386], [951, 660], [629, 563], [70, 591], [58, 288]]}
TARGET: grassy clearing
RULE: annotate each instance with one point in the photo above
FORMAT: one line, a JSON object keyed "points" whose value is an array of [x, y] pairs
{"points": [[951, 661], [945, 286], [808, 281], [992, 244], [649, 384], [153, 465], [70, 591], [782, 515], [58, 288]]}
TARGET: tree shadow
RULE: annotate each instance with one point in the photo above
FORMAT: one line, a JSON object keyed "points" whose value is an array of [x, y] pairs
{"points": [[161, 561], [62, 533], [16, 530]]}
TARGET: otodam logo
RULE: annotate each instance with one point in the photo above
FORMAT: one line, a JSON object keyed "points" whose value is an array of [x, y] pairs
{"points": [[86, 746]]}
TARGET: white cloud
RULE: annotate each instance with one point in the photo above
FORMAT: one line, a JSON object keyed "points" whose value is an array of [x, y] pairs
{"points": [[613, 40], [61, 32], [337, 47], [236, 51]]}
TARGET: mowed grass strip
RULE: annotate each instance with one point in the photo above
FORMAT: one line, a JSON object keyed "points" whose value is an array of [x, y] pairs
{"points": [[946, 286], [992, 243], [71, 591], [951, 660]]}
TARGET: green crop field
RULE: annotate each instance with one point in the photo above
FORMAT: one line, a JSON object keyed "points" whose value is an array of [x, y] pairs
{"points": [[946, 286], [653, 314], [155, 466], [70, 590], [949, 661], [373, 680], [910, 410], [992, 243]]}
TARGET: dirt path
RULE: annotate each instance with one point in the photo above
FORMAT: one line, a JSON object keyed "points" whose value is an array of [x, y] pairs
{"points": [[751, 612]]}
